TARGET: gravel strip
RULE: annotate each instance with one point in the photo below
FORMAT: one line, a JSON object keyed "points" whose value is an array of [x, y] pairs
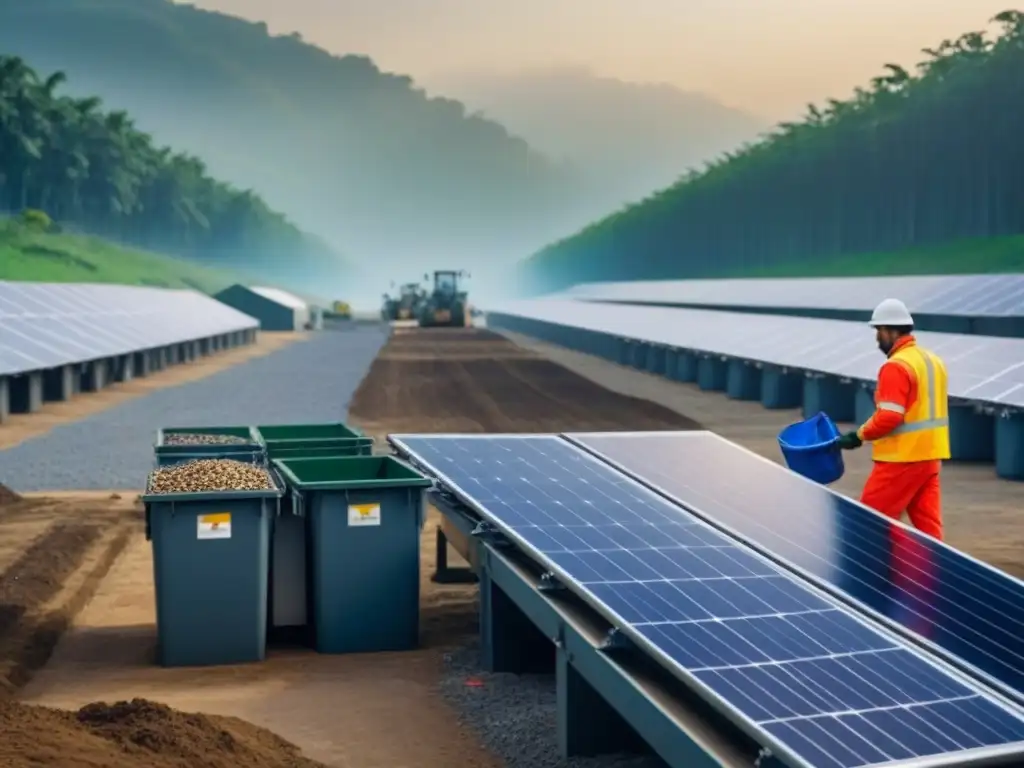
{"points": [[305, 382], [515, 715]]}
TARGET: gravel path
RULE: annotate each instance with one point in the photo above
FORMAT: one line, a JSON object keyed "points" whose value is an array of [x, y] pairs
{"points": [[311, 381], [515, 716]]}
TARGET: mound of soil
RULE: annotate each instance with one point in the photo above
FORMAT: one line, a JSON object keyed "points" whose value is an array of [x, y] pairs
{"points": [[137, 734], [7, 496]]}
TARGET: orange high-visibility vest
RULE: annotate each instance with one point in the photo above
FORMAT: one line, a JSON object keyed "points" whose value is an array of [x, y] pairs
{"points": [[924, 434]]}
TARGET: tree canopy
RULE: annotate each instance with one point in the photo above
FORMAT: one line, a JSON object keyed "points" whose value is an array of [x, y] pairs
{"points": [[918, 158], [93, 170]]}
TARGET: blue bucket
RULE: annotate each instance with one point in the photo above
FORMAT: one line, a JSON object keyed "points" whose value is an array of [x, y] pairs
{"points": [[811, 449]]}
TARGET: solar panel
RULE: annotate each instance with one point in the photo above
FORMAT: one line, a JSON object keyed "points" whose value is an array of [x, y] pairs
{"points": [[811, 681], [967, 610], [959, 295], [981, 369], [45, 325]]}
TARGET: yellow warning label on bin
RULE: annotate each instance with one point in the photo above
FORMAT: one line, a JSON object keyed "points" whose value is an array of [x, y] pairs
{"points": [[214, 526], [363, 514]]}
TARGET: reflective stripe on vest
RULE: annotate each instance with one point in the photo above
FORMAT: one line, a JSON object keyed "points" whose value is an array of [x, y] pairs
{"points": [[906, 443]]}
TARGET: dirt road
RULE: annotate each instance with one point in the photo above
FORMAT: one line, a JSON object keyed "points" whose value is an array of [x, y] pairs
{"points": [[474, 380]]}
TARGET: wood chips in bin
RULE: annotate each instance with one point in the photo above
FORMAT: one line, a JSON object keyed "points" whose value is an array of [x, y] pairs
{"points": [[196, 438], [206, 475]]}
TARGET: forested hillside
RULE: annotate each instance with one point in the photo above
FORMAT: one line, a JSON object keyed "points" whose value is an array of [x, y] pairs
{"points": [[92, 170], [916, 159], [347, 151]]}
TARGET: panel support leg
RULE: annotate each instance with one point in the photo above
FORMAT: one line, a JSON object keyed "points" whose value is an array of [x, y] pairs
{"points": [[25, 392], [94, 378], [509, 642], [124, 368], [59, 383], [587, 724], [5, 399], [447, 574]]}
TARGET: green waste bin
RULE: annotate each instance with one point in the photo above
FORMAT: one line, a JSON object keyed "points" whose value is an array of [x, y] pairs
{"points": [[298, 440], [210, 566], [208, 450], [364, 516]]}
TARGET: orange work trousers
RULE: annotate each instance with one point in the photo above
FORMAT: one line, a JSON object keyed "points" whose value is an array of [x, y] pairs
{"points": [[912, 487]]}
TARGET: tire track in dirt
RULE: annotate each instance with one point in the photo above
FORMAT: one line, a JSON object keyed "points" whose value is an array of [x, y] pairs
{"points": [[39, 642], [38, 575], [54, 576]]}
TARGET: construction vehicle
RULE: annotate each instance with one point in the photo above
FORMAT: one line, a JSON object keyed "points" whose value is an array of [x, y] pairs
{"points": [[340, 310], [407, 304], [448, 304]]}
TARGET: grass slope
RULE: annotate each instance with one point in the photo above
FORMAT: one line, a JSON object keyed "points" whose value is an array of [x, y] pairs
{"points": [[964, 257], [61, 258]]}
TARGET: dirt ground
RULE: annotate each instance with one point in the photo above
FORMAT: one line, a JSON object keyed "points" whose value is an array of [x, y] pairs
{"points": [[21, 427], [53, 555], [360, 711], [474, 380]]}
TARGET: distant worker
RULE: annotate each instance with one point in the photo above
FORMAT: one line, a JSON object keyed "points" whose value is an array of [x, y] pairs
{"points": [[909, 430]]}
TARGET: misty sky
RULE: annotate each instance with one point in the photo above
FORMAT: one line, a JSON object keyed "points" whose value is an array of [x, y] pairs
{"points": [[767, 56]]}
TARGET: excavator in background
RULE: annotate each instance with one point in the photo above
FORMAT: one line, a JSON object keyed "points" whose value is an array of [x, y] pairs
{"points": [[448, 304], [406, 306]]}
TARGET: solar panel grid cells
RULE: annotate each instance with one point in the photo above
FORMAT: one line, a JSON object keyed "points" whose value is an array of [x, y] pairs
{"points": [[966, 295], [970, 611], [830, 689]]}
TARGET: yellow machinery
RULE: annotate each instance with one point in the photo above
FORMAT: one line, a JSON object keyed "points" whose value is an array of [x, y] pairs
{"points": [[342, 310]]}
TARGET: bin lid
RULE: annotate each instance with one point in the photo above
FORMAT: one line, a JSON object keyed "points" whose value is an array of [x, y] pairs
{"points": [[307, 431]]}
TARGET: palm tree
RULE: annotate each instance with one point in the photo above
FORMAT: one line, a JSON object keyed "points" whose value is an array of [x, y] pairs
{"points": [[97, 171]]}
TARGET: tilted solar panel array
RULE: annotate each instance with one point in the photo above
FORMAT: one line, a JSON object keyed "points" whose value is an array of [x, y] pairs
{"points": [[46, 325], [960, 295], [981, 369], [956, 604], [801, 673]]}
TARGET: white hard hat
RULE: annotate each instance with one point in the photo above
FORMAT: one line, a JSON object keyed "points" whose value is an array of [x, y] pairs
{"points": [[891, 313]]}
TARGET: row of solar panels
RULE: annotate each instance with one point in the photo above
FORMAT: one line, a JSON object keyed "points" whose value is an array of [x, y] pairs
{"points": [[957, 295], [47, 325], [833, 636], [982, 369]]}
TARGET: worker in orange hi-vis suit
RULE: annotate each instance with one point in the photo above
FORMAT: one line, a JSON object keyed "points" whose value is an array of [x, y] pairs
{"points": [[909, 430]]}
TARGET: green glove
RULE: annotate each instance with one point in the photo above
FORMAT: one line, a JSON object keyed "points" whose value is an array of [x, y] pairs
{"points": [[849, 441]]}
